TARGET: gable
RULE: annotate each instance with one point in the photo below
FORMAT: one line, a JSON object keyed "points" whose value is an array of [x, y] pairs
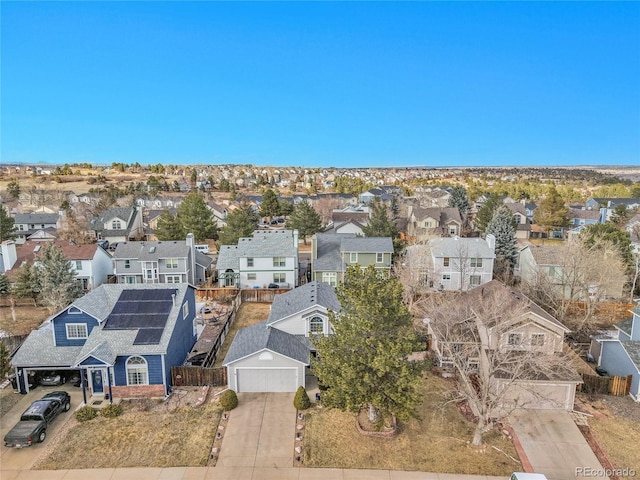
{"points": [[267, 358]]}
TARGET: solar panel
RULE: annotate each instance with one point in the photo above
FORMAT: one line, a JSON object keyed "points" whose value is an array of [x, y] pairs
{"points": [[148, 336], [146, 310]]}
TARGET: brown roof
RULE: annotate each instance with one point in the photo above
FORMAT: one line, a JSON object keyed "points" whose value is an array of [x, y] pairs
{"points": [[548, 255]]}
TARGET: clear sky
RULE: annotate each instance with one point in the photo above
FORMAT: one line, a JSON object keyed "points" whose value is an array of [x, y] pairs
{"points": [[321, 84]]}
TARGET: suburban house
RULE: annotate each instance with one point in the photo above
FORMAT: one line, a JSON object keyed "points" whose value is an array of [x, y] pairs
{"points": [[118, 225], [124, 339], [161, 262], [91, 264], [349, 226], [606, 206], [458, 263], [566, 273], [530, 329], [425, 223], [523, 224], [333, 253], [269, 257], [273, 355], [151, 218], [28, 224], [375, 193], [583, 216], [619, 352]]}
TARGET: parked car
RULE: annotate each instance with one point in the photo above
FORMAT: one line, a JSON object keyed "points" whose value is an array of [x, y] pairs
{"points": [[113, 246], [103, 244], [33, 423], [53, 378]]}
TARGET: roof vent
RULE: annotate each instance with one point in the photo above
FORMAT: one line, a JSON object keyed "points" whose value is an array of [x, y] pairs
{"points": [[152, 249]]}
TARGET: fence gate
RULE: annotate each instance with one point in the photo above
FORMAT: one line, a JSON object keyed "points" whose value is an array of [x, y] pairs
{"points": [[198, 376], [620, 385]]}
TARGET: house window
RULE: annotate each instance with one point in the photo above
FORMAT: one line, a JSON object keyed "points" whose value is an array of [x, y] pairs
{"points": [[137, 371], [316, 325], [250, 262], [129, 279], [445, 261], [379, 257], [353, 257], [171, 263], [476, 263], [150, 270], [446, 276], [537, 339], [173, 279], [77, 330], [474, 280], [452, 230], [127, 264], [515, 339], [116, 225], [330, 278], [251, 276], [279, 277], [78, 264], [185, 310], [279, 262]]}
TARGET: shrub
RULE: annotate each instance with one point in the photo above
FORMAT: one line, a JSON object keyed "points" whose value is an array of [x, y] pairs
{"points": [[229, 400], [111, 411], [301, 400], [85, 413]]}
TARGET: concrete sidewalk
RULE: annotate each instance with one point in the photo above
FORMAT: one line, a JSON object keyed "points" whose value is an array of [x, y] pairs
{"points": [[231, 473]]}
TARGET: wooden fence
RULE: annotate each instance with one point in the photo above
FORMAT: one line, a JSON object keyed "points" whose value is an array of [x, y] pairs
{"points": [[225, 295], [615, 385], [13, 343], [198, 376]]}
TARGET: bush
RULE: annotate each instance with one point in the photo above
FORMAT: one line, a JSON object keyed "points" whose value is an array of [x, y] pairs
{"points": [[301, 400], [111, 411], [229, 400], [85, 413]]}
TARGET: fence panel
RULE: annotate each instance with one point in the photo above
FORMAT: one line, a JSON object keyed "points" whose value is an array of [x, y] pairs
{"points": [[614, 385], [198, 376], [620, 385]]}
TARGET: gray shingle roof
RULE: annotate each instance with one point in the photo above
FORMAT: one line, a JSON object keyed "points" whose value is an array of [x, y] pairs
{"points": [[328, 252], [367, 245], [39, 218], [458, 247], [260, 336], [264, 243], [148, 251], [625, 325], [301, 298], [38, 350], [633, 350], [547, 255]]}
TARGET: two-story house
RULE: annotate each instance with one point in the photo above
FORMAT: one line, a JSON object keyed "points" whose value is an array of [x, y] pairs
{"points": [[460, 263], [522, 332], [523, 224], [28, 224], [425, 223], [161, 262], [333, 253], [124, 339], [121, 224], [269, 257], [619, 352], [273, 355]]}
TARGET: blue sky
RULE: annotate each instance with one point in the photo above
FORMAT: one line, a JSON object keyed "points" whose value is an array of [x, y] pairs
{"points": [[321, 84]]}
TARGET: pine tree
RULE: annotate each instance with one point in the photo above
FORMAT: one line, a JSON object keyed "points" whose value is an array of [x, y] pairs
{"points": [[6, 226], [5, 285], [270, 207], [551, 213], [364, 362], [501, 227], [169, 227], [380, 225], [58, 284], [27, 284], [458, 199], [196, 217], [13, 188], [240, 223], [486, 211], [306, 220]]}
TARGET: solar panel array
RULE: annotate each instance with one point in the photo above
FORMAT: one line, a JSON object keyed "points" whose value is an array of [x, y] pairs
{"points": [[144, 310]]}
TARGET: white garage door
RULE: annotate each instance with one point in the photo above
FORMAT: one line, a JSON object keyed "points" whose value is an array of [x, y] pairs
{"points": [[267, 379], [542, 397]]}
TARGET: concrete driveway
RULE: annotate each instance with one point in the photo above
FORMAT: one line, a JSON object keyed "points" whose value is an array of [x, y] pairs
{"points": [[25, 458], [554, 444], [260, 432]]}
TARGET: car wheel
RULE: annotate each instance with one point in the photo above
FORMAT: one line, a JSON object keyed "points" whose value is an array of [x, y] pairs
{"points": [[67, 406], [42, 436]]}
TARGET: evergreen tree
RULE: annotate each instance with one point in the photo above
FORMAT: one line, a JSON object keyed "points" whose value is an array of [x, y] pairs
{"points": [[57, 278], [286, 207], [380, 225], [270, 207], [224, 185], [5, 365], [169, 227], [620, 215], [486, 211], [458, 199], [603, 233], [306, 220], [501, 227], [364, 363], [5, 285], [27, 284], [240, 223], [196, 217], [551, 213], [6, 226], [13, 188]]}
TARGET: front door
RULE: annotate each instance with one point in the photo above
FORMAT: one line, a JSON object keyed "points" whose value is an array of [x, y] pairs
{"points": [[97, 381]]}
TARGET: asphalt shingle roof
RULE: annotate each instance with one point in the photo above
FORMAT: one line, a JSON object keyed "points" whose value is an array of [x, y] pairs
{"points": [[36, 218], [547, 255], [148, 251], [301, 298], [264, 243], [457, 247], [625, 325], [367, 245], [633, 350]]}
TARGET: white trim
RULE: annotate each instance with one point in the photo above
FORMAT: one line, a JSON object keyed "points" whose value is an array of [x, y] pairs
{"points": [[126, 370], [86, 327], [264, 350], [295, 370]]}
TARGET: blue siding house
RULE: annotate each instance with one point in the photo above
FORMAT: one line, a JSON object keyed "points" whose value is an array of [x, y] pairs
{"points": [[619, 354], [123, 339]]}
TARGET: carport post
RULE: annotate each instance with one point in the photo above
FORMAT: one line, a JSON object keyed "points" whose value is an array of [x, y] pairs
{"points": [[84, 386], [109, 383]]}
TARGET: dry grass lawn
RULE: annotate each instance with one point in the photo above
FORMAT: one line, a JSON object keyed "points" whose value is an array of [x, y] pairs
{"points": [[248, 314], [138, 439], [436, 443], [618, 437], [27, 318]]}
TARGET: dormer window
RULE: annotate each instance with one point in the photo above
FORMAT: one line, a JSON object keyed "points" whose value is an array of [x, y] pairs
{"points": [[316, 325]]}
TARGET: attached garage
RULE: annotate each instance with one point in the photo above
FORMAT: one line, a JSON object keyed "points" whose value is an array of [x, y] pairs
{"points": [[540, 395], [267, 379]]}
